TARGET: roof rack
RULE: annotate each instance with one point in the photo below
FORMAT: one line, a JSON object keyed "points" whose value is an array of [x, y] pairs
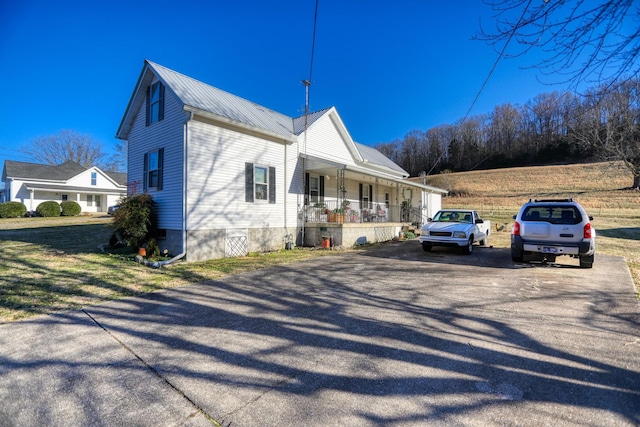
{"points": [[550, 200]]}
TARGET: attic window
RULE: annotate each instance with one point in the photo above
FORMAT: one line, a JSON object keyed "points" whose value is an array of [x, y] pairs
{"points": [[94, 178], [155, 103]]}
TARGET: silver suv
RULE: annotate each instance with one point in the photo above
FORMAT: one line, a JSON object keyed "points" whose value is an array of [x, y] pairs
{"points": [[545, 229]]}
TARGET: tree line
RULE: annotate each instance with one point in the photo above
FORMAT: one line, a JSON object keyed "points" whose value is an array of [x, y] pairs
{"points": [[552, 128]]}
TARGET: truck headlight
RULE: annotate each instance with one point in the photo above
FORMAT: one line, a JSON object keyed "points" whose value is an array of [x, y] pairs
{"points": [[459, 235]]}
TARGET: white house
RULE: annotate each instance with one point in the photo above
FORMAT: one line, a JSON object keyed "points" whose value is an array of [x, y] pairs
{"points": [[32, 184], [230, 176]]}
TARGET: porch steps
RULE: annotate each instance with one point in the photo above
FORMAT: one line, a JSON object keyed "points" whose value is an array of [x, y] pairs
{"points": [[412, 228]]}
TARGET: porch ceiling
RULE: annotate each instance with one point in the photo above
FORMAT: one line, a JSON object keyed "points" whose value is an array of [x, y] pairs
{"points": [[330, 169]]}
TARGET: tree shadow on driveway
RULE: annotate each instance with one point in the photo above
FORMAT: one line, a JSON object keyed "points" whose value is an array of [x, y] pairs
{"points": [[366, 339]]}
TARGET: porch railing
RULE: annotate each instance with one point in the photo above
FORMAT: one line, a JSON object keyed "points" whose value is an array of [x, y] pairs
{"points": [[332, 211]]}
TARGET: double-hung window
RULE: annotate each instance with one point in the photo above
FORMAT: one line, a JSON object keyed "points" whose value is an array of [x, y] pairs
{"points": [[155, 103], [153, 164], [366, 193], [94, 178], [260, 183], [313, 189]]}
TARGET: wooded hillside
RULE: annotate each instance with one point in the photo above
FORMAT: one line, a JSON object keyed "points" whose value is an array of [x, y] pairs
{"points": [[553, 128]]}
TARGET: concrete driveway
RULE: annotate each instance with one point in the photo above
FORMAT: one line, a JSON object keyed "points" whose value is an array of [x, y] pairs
{"points": [[391, 336]]}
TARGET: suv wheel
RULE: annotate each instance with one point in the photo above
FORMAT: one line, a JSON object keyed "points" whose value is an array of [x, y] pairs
{"points": [[516, 256], [426, 247]]}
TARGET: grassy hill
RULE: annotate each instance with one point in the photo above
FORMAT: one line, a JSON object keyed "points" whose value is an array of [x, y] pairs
{"points": [[599, 187], [602, 188]]}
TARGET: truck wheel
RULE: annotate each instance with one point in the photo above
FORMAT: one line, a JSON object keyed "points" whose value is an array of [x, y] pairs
{"points": [[426, 247], [484, 241], [469, 248], [586, 261]]}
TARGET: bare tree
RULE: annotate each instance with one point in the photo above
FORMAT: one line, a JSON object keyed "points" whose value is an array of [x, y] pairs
{"points": [[117, 162], [586, 41], [611, 124], [64, 146], [505, 127]]}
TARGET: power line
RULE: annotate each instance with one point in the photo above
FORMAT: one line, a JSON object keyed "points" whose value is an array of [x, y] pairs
{"points": [[495, 64], [486, 80]]}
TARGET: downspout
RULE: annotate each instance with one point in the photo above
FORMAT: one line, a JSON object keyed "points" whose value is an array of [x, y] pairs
{"points": [[185, 153], [284, 184]]}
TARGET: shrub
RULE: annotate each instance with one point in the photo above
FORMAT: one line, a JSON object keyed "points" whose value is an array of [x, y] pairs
{"points": [[135, 219], [50, 208], [70, 208], [12, 210]]}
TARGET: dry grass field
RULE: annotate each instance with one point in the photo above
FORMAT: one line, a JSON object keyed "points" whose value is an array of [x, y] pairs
{"points": [[602, 188]]}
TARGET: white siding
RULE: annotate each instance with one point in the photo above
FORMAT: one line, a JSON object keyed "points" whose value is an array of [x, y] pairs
{"points": [[433, 204], [324, 141], [84, 180], [167, 134], [216, 184]]}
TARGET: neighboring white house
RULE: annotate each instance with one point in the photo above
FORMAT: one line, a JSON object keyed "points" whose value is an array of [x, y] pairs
{"points": [[230, 176], [32, 184]]}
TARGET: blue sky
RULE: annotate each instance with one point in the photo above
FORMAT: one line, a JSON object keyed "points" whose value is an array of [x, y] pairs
{"points": [[388, 67]]}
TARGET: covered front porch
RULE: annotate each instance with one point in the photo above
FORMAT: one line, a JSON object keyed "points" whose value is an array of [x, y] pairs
{"points": [[351, 205]]}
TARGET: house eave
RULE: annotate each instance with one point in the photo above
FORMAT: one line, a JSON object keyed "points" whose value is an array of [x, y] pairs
{"points": [[238, 126], [73, 189]]}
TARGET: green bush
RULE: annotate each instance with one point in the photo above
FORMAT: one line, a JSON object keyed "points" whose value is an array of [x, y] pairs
{"points": [[135, 219], [70, 208], [50, 208], [12, 210]]}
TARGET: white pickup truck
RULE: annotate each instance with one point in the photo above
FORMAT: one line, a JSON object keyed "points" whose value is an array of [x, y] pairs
{"points": [[457, 228]]}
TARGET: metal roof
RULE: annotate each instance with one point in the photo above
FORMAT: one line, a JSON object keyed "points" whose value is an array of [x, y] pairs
{"points": [[199, 96], [204, 97], [371, 155], [299, 122]]}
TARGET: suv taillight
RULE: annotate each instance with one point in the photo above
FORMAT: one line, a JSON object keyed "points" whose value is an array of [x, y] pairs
{"points": [[587, 230], [516, 229]]}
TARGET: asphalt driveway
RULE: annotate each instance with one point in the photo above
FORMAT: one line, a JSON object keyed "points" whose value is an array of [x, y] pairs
{"points": [[391, 336]]}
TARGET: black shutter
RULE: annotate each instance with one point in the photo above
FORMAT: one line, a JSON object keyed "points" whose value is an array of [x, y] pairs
{"points": [[148, 122], [360, 198], [307, 191], [272, 184], [248, 182], [161, 103], [321, 188], [160, 167], [370, 196], [145, 172]]}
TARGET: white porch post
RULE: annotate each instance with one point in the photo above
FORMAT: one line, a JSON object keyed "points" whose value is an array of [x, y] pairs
{"points": [[31, 195]]}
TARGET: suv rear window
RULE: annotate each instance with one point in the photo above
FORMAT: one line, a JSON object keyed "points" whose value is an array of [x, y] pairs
{"points": [[554, 214]]}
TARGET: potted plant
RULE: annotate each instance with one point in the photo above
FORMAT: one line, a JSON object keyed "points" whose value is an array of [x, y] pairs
{"points": [[339, 214]]}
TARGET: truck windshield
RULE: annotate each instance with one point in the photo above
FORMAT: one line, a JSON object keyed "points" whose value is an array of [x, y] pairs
{"points": [[453, 216]]}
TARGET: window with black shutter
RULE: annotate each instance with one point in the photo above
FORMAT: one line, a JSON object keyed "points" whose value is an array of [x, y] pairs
{"points": [[153, 165], [155, 103], [260, 183]]}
